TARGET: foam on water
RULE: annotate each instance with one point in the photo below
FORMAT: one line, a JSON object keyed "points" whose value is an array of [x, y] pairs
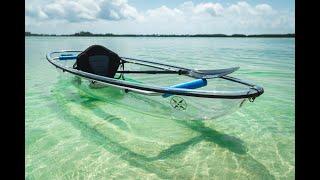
{"points": [[70, 135]]}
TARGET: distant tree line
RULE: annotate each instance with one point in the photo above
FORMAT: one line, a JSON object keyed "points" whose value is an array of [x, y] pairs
{"points": [[89, 34]]}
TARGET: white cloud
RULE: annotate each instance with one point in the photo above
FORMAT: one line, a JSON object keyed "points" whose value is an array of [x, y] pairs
{"points": [[84, 10], [163, 14], [241, 8], [264, 9], [188, 17], [73, 11], [35, 12], [117, 10], [244, 9], [213, 9]]}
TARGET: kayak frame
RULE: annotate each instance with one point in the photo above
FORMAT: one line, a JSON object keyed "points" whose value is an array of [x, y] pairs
{"points": [[252, 92]]}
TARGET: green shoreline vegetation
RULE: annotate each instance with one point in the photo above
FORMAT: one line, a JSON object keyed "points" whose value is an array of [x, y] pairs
{"points": [[89, 34]]}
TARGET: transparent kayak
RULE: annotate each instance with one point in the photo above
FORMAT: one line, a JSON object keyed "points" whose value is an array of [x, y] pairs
{"points": [[165, 90]]}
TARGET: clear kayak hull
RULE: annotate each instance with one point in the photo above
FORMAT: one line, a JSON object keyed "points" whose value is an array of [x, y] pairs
{"points": [[158, 89], [175, 107]]}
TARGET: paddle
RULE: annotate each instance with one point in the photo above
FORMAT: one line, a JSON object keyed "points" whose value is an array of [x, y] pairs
{"points": [[209, 74], [169, 69], [197, 74]]}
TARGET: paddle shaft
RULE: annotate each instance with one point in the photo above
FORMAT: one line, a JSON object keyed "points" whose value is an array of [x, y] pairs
{"points": [[154, 72]]}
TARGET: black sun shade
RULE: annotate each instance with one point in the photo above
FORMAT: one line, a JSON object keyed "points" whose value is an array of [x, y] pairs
{"points": [[98, 60]]}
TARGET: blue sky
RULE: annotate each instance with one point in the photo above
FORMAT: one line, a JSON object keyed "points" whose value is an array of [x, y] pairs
{"points": [[160, 16]]}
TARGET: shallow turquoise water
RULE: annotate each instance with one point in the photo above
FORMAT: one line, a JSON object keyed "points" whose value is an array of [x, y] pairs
{"points": [[72, 135]]}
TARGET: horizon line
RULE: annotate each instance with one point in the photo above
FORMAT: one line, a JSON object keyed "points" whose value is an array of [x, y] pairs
{"points": [[86, 33]]}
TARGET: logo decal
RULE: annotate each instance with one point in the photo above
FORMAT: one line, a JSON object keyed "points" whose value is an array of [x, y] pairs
{"points": [[178, 103]]}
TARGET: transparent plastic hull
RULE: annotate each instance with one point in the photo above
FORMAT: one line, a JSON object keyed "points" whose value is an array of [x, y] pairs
{"points": [[174, 106]]}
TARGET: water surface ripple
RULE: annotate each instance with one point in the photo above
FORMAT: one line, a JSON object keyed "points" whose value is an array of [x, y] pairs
{"points": [[70, 135]]}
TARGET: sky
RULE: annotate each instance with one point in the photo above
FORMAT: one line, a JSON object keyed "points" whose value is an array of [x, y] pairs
{"points": [[160, 16]]}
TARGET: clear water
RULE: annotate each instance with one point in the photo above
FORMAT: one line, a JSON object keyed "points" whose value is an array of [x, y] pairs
{"points": [[70, 135]]}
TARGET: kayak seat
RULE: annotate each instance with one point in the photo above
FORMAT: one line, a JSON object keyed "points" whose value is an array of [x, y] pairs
{"points": [[98, 60]]}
